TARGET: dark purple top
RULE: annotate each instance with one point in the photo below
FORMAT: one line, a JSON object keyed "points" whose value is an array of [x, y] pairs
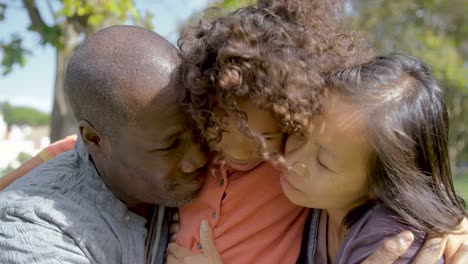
{"points": [[365, 236]]}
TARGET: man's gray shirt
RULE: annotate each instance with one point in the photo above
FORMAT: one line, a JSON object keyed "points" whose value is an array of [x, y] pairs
{"points": [[62, 212]]}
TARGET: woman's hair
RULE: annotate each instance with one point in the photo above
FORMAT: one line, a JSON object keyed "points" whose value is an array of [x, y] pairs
{"points": [[273, 54], [407, 125]]}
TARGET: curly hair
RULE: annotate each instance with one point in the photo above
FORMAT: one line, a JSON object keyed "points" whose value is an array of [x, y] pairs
{"points": [[275, 54]]}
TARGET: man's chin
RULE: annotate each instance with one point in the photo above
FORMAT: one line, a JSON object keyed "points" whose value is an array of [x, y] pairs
{"points": [[180, 200], [178, 197]]}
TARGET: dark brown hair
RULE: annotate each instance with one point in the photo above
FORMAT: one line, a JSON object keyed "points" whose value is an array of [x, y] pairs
{"points": [[274, 54], [407, 124]]}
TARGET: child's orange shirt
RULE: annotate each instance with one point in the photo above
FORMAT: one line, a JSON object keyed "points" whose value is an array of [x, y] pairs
{"points": [[251, 218], [58, 147]]}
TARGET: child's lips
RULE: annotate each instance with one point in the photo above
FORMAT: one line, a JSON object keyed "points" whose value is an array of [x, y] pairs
{"points": [[241, 165], [239, 162]]}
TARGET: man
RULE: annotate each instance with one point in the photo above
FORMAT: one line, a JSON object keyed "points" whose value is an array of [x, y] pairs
{"points": [[104, 202], [91, 205]]}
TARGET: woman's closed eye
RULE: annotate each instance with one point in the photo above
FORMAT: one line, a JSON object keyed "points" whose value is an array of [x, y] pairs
{"points": [[321, 164]]}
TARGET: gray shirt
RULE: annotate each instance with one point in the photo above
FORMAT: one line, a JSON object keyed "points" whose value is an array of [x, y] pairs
{"points": [[62, 212]]}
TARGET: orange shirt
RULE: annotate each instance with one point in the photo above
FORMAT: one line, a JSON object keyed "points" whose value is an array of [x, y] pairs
{"points": [[251, 218], [58, 147]]}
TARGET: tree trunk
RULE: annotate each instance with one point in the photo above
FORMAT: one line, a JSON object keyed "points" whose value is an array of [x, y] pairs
{"points": [[63, 122]]}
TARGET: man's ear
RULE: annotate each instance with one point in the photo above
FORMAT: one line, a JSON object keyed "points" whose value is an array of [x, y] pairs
{"points": [[92, 139]]}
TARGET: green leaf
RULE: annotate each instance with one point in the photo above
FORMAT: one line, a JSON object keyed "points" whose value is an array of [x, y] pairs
{"points": [[13, 53], [2, 11]]}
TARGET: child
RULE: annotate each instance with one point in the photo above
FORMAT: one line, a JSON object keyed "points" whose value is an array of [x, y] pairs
{"points": [[379, 153], [253, 77]]}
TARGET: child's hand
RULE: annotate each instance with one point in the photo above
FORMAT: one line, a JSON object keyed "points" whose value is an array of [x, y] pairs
{"points": [[210, 255], [174, 226]]}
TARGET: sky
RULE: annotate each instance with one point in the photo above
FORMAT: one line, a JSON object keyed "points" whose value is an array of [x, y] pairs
{"points": [[33, 84]]}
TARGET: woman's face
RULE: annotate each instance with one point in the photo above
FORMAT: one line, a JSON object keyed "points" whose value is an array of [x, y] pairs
{"points": [[328, 164]]}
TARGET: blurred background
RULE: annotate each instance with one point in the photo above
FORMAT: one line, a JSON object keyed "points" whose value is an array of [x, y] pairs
{"points": [[37, 38]]}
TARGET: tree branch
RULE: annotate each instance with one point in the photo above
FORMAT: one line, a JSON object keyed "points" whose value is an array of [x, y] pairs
{"points": [[37, 23], [51, 9]]}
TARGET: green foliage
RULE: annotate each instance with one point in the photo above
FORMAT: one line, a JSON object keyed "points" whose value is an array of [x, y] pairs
{"points": [[434, 31], [94, 13], [218, 8], [461, 185], [23, 115], [231, 5], [7, 170], [13, 53], [23, 157], [2, 11], [83, 16]]}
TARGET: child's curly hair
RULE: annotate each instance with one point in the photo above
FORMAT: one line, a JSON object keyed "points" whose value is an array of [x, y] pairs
{"points": [[275, 54]]}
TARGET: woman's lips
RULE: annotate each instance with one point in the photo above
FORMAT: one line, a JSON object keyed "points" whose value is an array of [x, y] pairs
{"points": [[285, 181]]}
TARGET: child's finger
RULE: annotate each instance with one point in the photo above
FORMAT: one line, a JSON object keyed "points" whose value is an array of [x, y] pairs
{"points": [[207, 240], [175, 217], [391, 249], [173, 238], [177, 251], [174, 228], [171, 259]]}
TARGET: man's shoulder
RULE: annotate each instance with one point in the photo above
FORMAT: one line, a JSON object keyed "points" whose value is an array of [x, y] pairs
{"points": [[57, 194], [55, 211], [54, 229], [56, 174]]}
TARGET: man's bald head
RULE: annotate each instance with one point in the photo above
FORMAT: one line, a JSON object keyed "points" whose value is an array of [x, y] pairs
{"points": [[114, 69]]}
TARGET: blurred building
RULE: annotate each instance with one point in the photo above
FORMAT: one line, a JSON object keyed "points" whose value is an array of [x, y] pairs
{"points": [[20, 139], [3, 127]]}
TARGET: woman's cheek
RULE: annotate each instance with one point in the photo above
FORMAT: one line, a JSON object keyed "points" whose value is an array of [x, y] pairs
{"points": [[294, 142]]}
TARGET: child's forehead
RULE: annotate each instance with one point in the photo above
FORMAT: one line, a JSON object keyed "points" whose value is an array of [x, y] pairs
{"points": [[257, 118]]}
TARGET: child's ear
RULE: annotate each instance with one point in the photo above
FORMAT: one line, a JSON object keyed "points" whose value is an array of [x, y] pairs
{"points": [[91, 137]]}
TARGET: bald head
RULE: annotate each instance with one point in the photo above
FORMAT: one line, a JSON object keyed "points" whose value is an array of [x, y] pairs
{"points": [[114, 69]]}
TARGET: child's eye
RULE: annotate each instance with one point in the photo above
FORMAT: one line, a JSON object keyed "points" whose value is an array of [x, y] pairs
{"points": [[223, 130]]}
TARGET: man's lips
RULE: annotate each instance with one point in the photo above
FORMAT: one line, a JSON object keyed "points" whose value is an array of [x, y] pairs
{"points": [[194, 179]]}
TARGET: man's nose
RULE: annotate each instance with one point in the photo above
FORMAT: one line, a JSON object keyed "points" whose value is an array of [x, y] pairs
{"points": [[194, 159]]}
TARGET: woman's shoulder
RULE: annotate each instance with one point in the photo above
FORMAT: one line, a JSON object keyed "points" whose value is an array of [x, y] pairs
{"points": [[381, 221], [371, 230]]}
